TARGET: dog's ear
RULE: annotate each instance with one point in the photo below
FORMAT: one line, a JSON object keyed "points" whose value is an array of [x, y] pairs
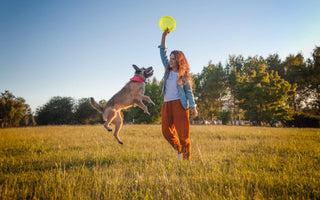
{"points": [[136, 68]]}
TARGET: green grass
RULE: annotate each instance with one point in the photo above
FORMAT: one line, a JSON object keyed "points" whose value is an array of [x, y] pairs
{"points": [[86, 162]]}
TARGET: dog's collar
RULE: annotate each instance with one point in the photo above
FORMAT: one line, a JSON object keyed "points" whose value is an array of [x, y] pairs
{"points": [[137, 78]]}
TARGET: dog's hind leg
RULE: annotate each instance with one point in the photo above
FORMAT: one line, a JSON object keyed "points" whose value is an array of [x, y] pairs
{"points": [[117, 121], [109, 116], [106, 126]]}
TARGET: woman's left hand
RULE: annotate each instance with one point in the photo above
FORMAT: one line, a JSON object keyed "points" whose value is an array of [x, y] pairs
{"points": [[194, 112]]}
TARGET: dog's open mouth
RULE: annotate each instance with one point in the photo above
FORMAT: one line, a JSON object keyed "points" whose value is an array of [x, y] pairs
{"points": [[148, 72]]}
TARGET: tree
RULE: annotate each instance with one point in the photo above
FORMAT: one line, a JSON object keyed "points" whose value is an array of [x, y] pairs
{"points": [[234, 69], [305, 75], [59, 110], [85, 113], [28, 118], [210, 90], [295, 72], [313, 103], [264, 96], [13, 111], [274, 63]]}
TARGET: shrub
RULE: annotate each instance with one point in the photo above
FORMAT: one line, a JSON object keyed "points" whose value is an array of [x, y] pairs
{"points": [[303, 120]]}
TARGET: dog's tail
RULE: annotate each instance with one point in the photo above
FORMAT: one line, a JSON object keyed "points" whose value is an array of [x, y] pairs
{"points": [[95, 105]]}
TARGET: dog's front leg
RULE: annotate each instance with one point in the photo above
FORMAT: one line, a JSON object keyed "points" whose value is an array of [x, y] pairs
{"points": [[142, 106], [148, 99]]}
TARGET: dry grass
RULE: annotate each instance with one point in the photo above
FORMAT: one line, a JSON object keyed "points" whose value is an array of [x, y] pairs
{"points": [[86, 162]]}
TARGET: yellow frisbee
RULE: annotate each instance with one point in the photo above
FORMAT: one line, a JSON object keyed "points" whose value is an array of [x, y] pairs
{"points": [[167, 22]]}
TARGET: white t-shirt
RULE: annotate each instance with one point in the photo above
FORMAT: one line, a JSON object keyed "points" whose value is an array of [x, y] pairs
{"points": [[171, 91]]}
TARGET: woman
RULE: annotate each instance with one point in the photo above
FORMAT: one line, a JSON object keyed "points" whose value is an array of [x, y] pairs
{"points": [[177, 93]]}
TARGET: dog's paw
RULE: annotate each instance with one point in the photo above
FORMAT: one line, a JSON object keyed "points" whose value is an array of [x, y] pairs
{"points": [[108, 129], [118, 139], [152, 103], [147, 113]]}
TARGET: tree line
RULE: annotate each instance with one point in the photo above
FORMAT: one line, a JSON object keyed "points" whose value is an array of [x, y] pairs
{"points": [[262, 90], [14, 111], [59, 110], [256, 89]]}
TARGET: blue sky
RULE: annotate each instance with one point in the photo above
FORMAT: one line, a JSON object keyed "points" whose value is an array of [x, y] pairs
{"points": [[86, 48]]}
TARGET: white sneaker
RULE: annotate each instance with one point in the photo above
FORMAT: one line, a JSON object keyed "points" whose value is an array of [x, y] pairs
{"points": [[179, 156]]}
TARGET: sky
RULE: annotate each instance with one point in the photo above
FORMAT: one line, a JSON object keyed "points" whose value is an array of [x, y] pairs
{"points": [[81, 49]]}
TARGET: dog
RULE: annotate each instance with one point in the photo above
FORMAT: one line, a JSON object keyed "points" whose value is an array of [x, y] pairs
{"points": [[131, 94]]}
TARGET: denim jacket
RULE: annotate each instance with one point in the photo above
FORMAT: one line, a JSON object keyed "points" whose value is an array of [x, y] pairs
{"points": [[185, 91]]}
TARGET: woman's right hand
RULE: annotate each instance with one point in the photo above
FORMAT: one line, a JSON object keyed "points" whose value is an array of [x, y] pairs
{"points": [[164, 35]]}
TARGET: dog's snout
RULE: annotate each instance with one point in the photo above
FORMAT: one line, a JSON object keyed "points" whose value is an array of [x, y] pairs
{"points": [[148, 72]]}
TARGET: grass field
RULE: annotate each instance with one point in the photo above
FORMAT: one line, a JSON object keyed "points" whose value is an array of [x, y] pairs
{"points": [[86, 162]]}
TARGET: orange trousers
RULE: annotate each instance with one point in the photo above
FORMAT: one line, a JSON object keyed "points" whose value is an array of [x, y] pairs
{"points": [[176, 127]]}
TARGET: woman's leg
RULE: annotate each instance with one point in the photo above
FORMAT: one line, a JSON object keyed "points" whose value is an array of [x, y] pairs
{"points": [[168, 128], [182, 125]]}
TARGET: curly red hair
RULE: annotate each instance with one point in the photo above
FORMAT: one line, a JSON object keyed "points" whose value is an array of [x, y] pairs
{"points": [[184, 69]]}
